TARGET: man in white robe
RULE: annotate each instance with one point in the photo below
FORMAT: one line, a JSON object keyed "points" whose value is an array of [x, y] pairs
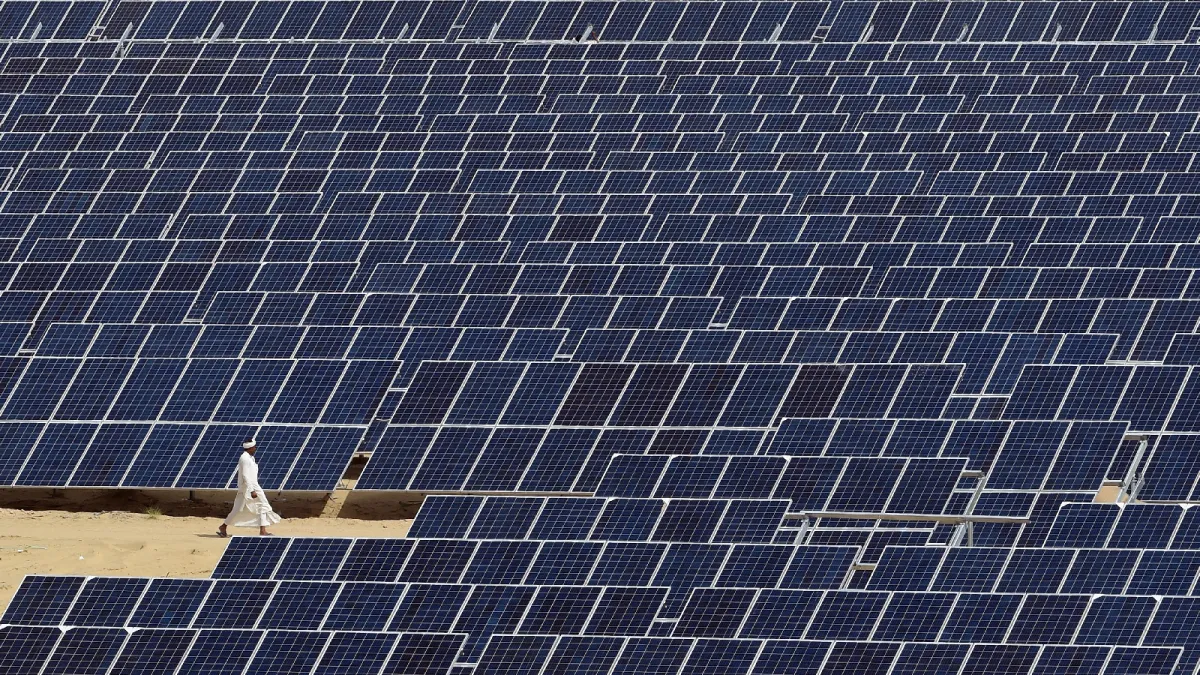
{"points": [[250, 507]]}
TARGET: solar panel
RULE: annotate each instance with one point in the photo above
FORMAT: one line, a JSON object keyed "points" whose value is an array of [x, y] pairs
{"points": [[716, 337], [105, 602], [152, 651], [250, 558], [44, 600]]}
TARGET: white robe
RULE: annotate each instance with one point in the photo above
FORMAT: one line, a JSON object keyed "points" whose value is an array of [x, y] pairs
{"points": [[250, 511]]}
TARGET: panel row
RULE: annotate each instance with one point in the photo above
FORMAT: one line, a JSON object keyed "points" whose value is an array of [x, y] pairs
{"points": [[342, 653], [1127, 570], [732, 395], [1020, 455], [846, 241], [536, 459], [763, 281], [1045, 570], [858, 485], [609, 192], [597, 518], [669, 21], [195, 390], [522, 654], [672, 328], [978, 351], [747, 613], [32, 650], [437, 265], [375, 32], [555, 21], [656, 315], [676, 72], [798, 98], [182, 456]]}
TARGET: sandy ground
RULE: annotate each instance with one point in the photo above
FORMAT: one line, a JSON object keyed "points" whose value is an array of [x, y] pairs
{"points": [[121, 543]]}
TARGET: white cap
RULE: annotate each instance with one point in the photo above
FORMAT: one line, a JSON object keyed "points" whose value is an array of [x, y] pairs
{"points": [[248, 444]]}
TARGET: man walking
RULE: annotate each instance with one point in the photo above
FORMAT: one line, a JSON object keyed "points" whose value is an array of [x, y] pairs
{"points": [[250, 507]]}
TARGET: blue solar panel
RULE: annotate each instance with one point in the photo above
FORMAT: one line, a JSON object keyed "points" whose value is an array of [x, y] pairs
{"points": [[728, 337]]}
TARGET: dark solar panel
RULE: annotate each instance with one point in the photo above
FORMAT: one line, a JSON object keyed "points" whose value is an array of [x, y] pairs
{"points": [[729, 337]]}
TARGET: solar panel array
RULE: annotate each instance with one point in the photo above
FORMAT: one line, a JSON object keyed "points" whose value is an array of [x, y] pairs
{"points": [[725, 337]]}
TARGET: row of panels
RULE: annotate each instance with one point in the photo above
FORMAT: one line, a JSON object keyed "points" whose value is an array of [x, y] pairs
{"points": [[747, 279], [632, 328], [448, 112], [598, 121], [718, 86], [373, 95], [29, 650], [430, 260], [494, 57], [853, 240], [611, 21], [435, 260], [584, 518], [749, 657], [1131, 566], [657, 316], [127, 155], [405, 124], [1062, 83], [716, 612], [452, 112], [458, 266], [1062, 522], [1086, 447], [592, 50], [557, 562], [703, 395], [729, 345], [531, 159], [659, 21], [1030, 456], [1136, 526], [197, 390], [818, 325], [691, 86], [203, 603], [1023, 455], [731, 193], [961, 364], [808, 485], [982, 358], [535, 52], [763, 280], [746, 613], [896, 485], [786, 194], [727, 193], [441, 200], [1083, 453], [233, 390], [747, 521], [186, 456], [155, 650], [1002, 570]]}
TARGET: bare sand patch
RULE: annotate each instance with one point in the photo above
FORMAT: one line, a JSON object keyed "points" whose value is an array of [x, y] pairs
{"points": [[128, 543]]}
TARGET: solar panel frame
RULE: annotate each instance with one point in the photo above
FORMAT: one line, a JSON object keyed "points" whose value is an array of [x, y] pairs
{"points": [[725, 263]]}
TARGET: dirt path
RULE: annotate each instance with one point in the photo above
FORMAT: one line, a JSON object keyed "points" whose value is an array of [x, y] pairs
{"points": [[134, 544]]}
